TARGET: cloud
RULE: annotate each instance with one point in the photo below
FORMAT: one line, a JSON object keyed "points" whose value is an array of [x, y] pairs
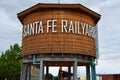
{"points": [[109, 37], [10, 31], [109, 34], [108, 67]]}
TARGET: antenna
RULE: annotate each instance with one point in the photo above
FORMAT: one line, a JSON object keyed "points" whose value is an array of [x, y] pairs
{"points": [[58, 1]]}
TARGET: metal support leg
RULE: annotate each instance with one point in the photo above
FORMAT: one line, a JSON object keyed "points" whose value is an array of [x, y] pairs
{"points": [[93, 71], [23, 71], [75, 70], [60, 77], [88, 72], [69, 71], [47, 70], [41, 70], [28, 73]]}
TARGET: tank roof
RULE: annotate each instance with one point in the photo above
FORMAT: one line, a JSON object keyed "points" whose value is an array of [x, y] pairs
{"points": [[40, 6]]}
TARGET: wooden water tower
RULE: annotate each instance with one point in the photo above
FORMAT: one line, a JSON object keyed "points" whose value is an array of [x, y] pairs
{"points": [[58, 35]]}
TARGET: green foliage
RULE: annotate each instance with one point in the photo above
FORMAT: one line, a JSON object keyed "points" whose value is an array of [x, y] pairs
{"points": [[56, 78], [49, 76], [10, 63]]}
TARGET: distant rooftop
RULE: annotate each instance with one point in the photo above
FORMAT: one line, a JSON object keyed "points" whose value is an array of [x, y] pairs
{"points": [[107, 74]]}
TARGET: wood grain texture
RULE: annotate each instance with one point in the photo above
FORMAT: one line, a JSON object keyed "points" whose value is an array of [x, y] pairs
{"points": [[56, 43]]}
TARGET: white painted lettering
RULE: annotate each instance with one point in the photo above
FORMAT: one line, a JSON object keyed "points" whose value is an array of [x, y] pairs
{"points": [[48, 25], [79, 28], [24, 31], [64, 26], [87, 30], [71, 29], [83, 28], [76, 27], [53, 25], [28, 25], [31, 29], [36, 26], [40, 29], [94, 33]]}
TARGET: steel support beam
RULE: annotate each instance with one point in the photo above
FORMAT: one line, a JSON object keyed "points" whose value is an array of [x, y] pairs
{"points": [[23, 71], [28, 72], [93, 71], [75, 70], [58, 59], [41, 59], [69, 71], [47, 70], [41, 70], [88, 72]]}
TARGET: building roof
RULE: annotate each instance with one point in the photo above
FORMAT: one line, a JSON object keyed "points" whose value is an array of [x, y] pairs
{"points": [[107, 74], [39, 6]]}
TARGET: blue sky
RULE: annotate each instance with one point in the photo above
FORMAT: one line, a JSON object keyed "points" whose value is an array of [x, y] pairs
{"points": [[109, 26]]}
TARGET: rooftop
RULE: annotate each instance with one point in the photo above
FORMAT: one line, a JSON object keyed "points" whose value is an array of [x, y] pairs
{"points": [[78, 7]]}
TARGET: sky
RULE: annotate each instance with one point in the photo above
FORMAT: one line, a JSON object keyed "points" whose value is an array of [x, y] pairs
{"points": [[108, 26]]}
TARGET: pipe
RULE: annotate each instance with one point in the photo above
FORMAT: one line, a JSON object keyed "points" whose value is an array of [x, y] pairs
{"points": [[93, 70], [34, 58]]}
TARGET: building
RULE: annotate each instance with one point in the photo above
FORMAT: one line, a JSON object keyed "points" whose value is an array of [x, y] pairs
{"points": [[82, 77], [108, 77]]}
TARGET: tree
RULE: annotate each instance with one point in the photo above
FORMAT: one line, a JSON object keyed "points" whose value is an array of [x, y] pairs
{"points": [[49, 76], [56, 78], [10, 63]]}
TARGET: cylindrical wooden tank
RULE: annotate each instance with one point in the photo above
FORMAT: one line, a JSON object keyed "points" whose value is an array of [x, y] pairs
{"points": [[59, 29]]}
